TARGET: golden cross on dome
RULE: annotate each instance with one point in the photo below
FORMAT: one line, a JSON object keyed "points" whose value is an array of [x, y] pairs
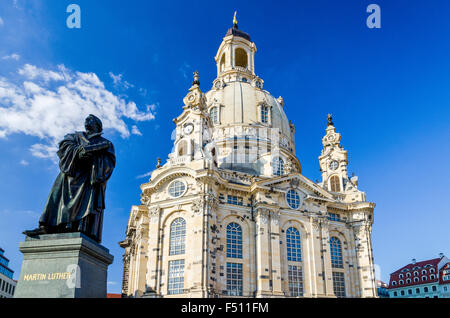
{"points": [[234, 19]]}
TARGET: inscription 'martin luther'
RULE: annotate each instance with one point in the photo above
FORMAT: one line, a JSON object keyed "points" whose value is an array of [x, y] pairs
{"points": [[49, 276]]}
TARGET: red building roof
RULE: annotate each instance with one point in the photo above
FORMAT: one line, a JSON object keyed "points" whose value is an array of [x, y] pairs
{"points": [[417, 273], [113, 296], [445, 270]]}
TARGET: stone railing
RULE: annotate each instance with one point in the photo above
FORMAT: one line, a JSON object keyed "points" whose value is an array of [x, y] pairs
{"points": [[180, 160]]}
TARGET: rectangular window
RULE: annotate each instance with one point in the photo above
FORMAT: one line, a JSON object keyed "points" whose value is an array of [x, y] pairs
{"points": [[334, 217], [409, 292], [339, 284], [417, 290], [264, 114], [402, 293], [434, 288], [395, 294], [234, 279], [232, 199], [295, 276], [176, 277]]}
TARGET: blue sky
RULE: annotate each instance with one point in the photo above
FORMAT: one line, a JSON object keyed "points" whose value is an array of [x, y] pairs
{"points": [[387, 88]]}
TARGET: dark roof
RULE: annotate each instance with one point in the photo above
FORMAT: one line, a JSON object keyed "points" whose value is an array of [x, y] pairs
{"points": [[236, 32]]}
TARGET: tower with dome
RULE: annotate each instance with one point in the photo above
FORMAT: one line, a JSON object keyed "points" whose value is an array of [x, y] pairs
{"points": [[230, 214]]}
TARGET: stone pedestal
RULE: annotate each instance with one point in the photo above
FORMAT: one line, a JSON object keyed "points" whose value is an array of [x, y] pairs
{"points": [[68, 265]]}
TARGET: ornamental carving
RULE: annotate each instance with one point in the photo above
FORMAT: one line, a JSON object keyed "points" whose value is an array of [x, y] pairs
{"points": [[154, 213], [262, 214], [275, 217], [145, 199], [294, 183], [197, 206]]}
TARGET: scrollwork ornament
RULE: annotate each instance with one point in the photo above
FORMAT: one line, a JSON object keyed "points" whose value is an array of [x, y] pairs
{"points": [[316, 225], [275, 217], [154, 213], [145, 199], [197, 206], [263, 214]]}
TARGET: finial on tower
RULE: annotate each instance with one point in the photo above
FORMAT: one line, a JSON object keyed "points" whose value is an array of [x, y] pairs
{"points": [[235, 20], [196, 79], [330, 122]]}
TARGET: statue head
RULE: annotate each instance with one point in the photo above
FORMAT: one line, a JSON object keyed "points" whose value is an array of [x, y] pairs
{"points": [[93, 124]]}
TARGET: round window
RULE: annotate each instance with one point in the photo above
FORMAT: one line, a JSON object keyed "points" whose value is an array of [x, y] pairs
{"points": [[293, 199], [177, 188]]}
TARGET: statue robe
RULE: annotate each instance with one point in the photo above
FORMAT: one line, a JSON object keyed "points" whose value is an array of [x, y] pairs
{"points": [[79, 189]]}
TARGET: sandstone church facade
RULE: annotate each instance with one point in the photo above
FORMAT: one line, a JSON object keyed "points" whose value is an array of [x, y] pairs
{"points": [[230, 213]]}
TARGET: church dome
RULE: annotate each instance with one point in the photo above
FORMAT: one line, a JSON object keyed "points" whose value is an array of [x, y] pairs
{"points": [[241, 103]]}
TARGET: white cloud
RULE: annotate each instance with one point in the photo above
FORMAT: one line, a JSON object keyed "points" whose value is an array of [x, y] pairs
{"points": [[51, 103], [24, 162], [119, 82], [112, 283], [1, 21], [148, 174], [135, 130], [32, 72], [184, 69], [13, 56]]}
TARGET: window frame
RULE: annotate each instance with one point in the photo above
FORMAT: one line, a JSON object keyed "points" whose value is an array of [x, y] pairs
{"points": [[170, 186], [299, 199]]}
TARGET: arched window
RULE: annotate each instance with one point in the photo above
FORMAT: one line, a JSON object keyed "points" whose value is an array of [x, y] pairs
{"points": [[277, 166], [222, 63], [416, 279], [213, 114], [234, 240], [431, 270], [182, 148], [432, 276], [416, 273], [424, 278], [293, 245], [264, 114], [408, 274], [401, 282], [336, 253], [394, 283], [400, 276], [177, 236], [241, 58], [335, 185], [408, 281]]}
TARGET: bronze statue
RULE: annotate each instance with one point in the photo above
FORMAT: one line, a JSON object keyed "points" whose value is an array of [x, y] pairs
{"points": [[77, 198]]}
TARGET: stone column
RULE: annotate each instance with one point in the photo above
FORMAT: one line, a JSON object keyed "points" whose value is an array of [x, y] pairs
{"points": [[276, 272], [365, 259], [326, 255], [196, 258], [154, 252], [262, 253]]}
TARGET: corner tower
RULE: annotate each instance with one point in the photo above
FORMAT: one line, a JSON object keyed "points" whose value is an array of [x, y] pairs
{"points": [[333, 165]]}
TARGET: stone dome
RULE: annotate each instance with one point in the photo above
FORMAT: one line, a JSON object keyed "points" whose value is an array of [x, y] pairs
{"points": [[240, 103]]}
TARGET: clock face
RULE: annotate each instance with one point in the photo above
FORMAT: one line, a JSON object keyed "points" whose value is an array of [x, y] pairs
{"points": [[189, 129], [334, 165]]}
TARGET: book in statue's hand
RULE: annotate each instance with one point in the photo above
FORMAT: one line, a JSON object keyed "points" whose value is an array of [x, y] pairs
{"points": [[96, 147]]}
